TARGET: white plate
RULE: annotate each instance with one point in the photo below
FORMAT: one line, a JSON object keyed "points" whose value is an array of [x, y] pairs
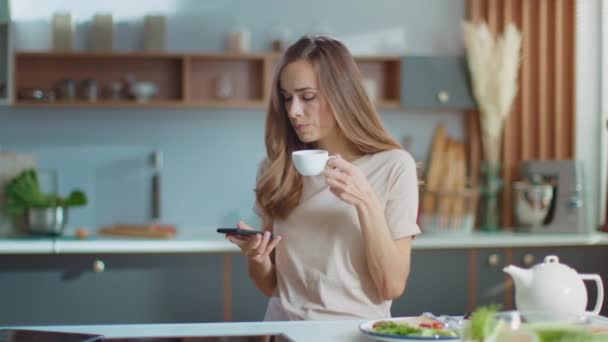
{"points": [[366, 329]]}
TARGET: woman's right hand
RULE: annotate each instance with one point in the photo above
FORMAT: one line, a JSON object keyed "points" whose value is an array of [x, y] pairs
{"points": [[257, 247]]}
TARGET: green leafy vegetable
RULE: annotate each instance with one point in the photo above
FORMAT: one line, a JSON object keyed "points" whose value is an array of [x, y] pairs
{"points": [[404, 329], [23, 192], [482, 324], [566, 334]]}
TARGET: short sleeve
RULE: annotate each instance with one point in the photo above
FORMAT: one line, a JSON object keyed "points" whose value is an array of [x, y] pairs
{"points": [[401, 210]]}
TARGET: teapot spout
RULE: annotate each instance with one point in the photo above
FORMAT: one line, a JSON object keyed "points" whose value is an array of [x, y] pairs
{"points": [[521, 276]]}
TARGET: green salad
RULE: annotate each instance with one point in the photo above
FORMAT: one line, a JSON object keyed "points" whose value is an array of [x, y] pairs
{"points": [[484, 326], [404, 329]]}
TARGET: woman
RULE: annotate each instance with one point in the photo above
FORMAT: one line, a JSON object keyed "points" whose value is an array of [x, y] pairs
{"points": [[343, 238]]}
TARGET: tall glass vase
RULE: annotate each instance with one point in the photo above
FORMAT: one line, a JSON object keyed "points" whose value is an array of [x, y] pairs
{"points": [[491, 186]]}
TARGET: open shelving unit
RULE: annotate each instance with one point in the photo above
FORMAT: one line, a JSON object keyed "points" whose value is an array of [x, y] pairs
{"points": [[183, 80]]}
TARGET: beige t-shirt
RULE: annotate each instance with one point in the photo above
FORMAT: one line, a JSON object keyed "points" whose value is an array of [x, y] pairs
{"points": [[320, 263]]}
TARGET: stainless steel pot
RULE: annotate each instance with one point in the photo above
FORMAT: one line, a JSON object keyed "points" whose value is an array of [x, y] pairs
{"points": [[46, 221]]}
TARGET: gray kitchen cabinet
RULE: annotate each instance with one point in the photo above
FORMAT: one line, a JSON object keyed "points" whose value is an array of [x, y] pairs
{"points": [[489, 280], [64, 289], [588, 259], [248, 303], [435, 83], [437, 283]]}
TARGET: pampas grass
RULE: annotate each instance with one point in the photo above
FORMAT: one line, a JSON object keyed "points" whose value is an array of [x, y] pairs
{"points": [[493, 64]]}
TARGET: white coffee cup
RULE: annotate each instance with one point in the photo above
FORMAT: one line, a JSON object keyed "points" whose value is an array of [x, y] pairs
{"points": [[310, 162]]}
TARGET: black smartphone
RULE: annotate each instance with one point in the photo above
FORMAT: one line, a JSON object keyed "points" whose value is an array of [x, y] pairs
{"points": [[239, 231]]}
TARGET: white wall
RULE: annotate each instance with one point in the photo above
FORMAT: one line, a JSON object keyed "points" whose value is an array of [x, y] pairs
{"points": [[590, 127]]}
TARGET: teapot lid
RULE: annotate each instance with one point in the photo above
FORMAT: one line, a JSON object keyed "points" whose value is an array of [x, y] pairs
{"points": [[551, 259], [551, 262]]}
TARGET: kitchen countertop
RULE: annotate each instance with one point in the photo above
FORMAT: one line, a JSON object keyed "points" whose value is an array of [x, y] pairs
{"points": [[208, 241], [319, 331]]}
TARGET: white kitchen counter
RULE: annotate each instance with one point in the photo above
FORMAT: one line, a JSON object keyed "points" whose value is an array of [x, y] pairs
{"points": [[318, 331], [208, 241]]}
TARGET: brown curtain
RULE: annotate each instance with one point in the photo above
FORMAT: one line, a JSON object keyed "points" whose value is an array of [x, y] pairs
{"points": [[541, 125]]}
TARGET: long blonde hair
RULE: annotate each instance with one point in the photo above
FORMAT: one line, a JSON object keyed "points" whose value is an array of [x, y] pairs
{"points": [[279, 186]]}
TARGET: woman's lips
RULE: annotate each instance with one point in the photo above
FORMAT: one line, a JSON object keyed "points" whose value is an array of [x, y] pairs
{"points": [[302, 127]]}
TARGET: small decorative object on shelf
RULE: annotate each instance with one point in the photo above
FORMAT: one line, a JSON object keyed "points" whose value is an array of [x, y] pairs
{"points": [[63, 32], [493, 64], [89, 90], [102, 32], [279, 39], [239, 41], [66, 89], [224, 88], [155, 34], [114, 91]]}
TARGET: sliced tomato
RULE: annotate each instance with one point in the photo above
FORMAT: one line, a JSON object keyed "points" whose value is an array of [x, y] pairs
{"points": [[437, 325]]}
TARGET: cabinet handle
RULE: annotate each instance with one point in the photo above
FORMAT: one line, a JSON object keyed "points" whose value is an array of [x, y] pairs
{"points": [[494, 260], [98, 266], [443, 96], [528, 259]]}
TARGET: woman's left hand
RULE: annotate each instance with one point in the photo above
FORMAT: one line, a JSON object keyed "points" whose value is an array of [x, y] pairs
{"points": [[347, 182]]}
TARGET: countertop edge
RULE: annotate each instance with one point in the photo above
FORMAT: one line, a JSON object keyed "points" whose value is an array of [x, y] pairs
{"points": [[203, 244]]}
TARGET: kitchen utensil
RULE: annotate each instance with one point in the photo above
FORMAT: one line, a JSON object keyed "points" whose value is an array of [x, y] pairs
{"points": [[566, 213], [154, 231], [36, 94], [47, 220], [66, 89], [89, 90], [114, 90], [310, 162], [553, 287], [157, 162], [144, 91]]}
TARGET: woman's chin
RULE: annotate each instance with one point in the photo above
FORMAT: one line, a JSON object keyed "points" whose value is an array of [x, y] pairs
{"points": [[307, 138]]}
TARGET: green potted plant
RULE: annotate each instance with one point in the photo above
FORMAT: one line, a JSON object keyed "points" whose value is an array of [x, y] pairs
{"points": [[45, 214]]}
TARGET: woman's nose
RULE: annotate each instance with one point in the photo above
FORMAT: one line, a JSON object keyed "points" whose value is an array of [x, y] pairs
{"points": [[295, 108]]}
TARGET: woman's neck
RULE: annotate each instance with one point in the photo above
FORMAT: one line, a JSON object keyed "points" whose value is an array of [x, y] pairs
{"points": [[339, 146]]}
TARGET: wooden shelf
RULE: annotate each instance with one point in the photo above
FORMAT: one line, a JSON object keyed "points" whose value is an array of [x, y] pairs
{"points": [[102, 103], [214, 80]]}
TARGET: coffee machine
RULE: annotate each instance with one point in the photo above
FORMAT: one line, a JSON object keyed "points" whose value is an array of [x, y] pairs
{"points": [[566, 213]]}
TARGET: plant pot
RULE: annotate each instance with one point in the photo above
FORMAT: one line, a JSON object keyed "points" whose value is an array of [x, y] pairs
{"points": [[49, 221]]}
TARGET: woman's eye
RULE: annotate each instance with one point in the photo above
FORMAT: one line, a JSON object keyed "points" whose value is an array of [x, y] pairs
{"points": [[287, 99], [308, 98]]}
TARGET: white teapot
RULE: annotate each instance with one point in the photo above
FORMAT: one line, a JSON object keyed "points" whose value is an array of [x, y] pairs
{"points": [[553, 287]]}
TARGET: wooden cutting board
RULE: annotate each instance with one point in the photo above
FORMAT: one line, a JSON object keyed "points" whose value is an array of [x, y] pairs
{"points": [[154, 231], [435, 169], [458, 169]]}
